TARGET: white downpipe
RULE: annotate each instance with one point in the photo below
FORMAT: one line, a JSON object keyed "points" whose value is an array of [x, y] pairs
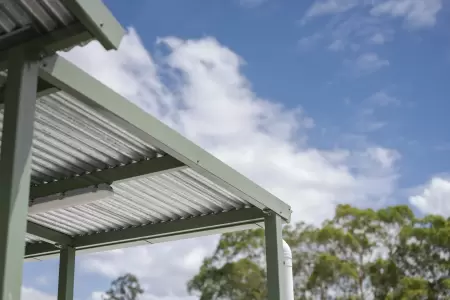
{"points": [[289, 279]]}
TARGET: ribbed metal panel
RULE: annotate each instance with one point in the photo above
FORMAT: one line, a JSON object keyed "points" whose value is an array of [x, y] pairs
{"points": [[71, 139], [154, 199], [42, 15]]}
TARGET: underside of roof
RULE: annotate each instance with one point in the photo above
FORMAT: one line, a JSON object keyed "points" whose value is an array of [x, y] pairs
{"points": [[163, 186], [42, 16], [47, 26]]}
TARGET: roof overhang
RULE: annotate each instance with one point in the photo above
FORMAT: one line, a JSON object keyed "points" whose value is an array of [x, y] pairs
{"points": [[62, 74], [162, 186], [50, 26]]}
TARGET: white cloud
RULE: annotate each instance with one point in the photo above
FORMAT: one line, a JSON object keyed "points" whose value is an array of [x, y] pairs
{"points": [[433, 198], [307, 42], [382, 98], [29, 293], [326, 7], [417, 13], [42, 280], [377, 39], [251, 3], [163, 269], [337, 45], [199, 90], [355, 22], [386, 157], [369, 62], [97, 295], [354, 30]]}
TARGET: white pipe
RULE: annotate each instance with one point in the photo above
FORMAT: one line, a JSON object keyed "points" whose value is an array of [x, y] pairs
{"points": [[289, 279]]}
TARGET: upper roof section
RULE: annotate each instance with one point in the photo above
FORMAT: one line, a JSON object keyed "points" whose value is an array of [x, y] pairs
{"points": [[53, 25]]}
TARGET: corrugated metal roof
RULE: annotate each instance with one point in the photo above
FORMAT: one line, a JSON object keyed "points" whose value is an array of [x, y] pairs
{"points": [[71, 139], [161, 198], [42, 15]]}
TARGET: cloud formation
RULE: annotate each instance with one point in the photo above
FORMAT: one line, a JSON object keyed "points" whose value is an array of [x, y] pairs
{"points": [[433, 198], [251, 3], [326, 7], [29, 293], [367, 63], [197, 88], [415, 13]]}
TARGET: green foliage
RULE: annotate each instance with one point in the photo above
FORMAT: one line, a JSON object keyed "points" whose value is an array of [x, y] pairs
{"points": [[126, 287], [359, 254], [234, 270]]}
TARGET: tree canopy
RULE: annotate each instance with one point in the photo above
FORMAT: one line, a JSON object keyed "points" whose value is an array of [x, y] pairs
{"points": [[359, 254], [125, 287]]}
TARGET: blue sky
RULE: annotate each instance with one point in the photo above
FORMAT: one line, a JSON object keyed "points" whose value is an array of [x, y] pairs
{"points": [[271, 37], [344, 99]]}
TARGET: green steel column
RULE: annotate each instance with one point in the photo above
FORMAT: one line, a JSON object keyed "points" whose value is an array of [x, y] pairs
{"points": [[66, 273], [15, 161], [274, 257]]}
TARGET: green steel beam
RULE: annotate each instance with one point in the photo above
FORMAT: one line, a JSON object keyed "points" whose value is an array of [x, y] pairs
{"points": [[274, 257], [98, 20], [15, 168], [66, 273], [48, 44], [148, 232], [49, 235], [40, 251], [248, 218], [71, 79], [143, 168]]}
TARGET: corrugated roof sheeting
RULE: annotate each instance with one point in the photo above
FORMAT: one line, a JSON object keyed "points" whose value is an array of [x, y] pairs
{"points": [[153, 199], [72, 139], [42, 15]]}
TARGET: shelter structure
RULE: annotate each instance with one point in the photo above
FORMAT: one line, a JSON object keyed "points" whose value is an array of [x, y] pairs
{"points": [[83, 169]]}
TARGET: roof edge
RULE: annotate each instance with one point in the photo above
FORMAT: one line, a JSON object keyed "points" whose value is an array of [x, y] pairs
{"points": [[99, 21]]}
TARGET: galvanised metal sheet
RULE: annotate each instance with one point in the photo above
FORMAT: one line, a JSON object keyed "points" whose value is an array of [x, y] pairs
{"points": [[71, 139], [159, 198], [42, 15]]}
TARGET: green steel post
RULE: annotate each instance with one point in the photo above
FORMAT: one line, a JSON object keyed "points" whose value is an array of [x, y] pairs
{"points": [[66, 273], [274, 257], [15, 161]]}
